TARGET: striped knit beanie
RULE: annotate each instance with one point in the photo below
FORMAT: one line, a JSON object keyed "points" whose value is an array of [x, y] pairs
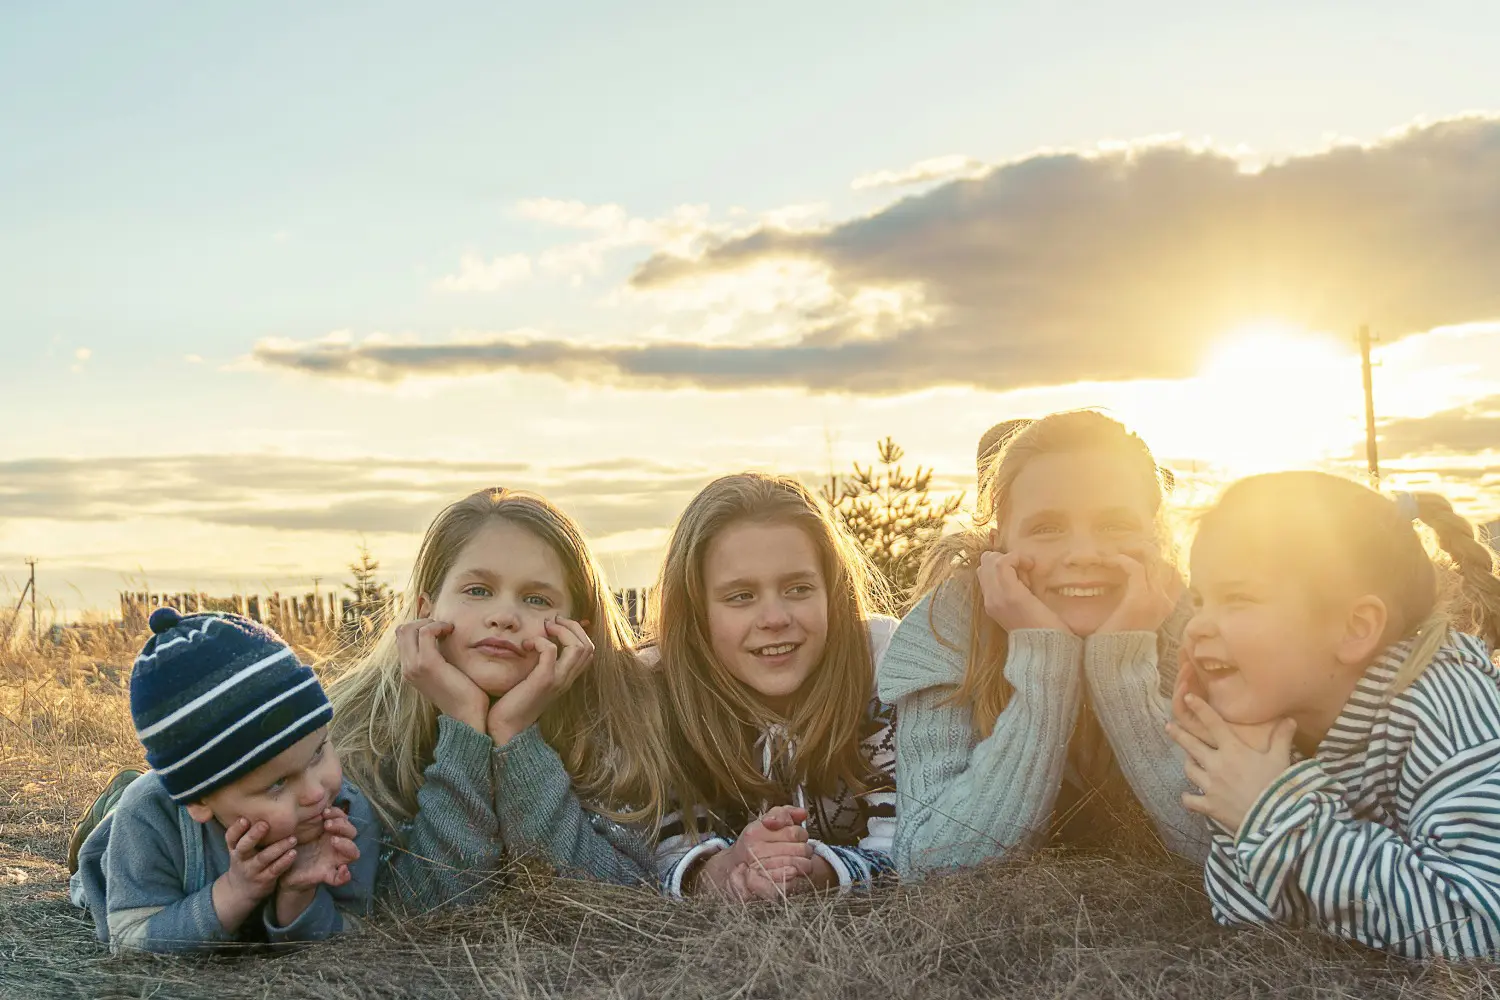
{"points": [[214, 696]]}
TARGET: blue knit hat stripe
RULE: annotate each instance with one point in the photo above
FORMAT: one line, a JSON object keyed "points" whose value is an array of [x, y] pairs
{"points": [[215, 696], [318, 717], [245, 721], [214, 692], [163, 755]]}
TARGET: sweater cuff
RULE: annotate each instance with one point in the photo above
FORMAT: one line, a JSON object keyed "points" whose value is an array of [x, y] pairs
{"points": [[318, 921], [459, 743], [1040, 660], [1122, 675], [528, 760], [700, 853], [828, 854], [1269, 811]]}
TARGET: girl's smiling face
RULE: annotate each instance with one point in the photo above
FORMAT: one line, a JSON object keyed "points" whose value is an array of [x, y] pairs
{"points": [[504, 586], [1263, 646], [1070, 512], [767, 607]]}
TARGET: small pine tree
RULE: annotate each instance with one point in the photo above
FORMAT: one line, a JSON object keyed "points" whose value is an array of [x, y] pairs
{"points": [[370, 600], [891, 515]]}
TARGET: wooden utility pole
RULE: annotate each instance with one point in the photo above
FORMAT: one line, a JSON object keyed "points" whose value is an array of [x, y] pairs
{"points": [[1372, 454], [36, 640]]}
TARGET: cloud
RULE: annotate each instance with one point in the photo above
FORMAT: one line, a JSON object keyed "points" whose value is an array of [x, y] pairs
{"points": [[1474, 427], [475, 274], [1121, 263], [934, 169], [369, 495]]}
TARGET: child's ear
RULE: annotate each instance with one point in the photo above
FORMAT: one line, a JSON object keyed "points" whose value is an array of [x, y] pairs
{"points": [[423, 606], [200, 812], [1364, 627]]}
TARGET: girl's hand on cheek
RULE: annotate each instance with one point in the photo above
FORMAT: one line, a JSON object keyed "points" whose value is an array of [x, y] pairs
{"points": [[1151, 591], [562, 657], [1004, 582], [1230, 773], [424, 667]]}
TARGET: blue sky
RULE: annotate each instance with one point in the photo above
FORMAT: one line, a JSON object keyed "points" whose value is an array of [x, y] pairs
{"points": [[179, 184]]}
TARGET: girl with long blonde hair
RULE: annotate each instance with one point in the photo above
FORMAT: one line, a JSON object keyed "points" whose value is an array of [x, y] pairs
{"points": [[1032, 679], [504, 712], [1343, 736], [766, 630]]}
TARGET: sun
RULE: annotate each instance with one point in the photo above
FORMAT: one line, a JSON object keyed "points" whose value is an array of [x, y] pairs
{"points": [[1270, 396]]}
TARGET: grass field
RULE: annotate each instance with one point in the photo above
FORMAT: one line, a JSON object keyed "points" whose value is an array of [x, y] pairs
{"points": [[1055, 925]]}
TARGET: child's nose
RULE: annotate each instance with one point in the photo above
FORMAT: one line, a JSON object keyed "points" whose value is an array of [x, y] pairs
{"points": [[774, 615], [1200, 626], [504, 614]]}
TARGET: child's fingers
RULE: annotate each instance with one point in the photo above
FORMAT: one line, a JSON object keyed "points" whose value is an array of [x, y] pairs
{"points": [[406, 641], [1216, 728], [776, 851], [345, 848], [279, 867], [785, 822], [577, 630], [783, 868], [1197, 775], [1195, 803], [236, 830], [276, 853], [1197, 750], [340, 876], [340, 827], [249, 841]]}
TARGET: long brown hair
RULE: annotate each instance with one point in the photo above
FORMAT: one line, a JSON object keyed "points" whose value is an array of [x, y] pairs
{"points": [[603, 726], [954, 557], [1318, 526], [713, 718]]}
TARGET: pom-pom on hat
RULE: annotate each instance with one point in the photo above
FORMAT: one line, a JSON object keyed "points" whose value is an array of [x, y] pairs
{"points": [[214, 696]]}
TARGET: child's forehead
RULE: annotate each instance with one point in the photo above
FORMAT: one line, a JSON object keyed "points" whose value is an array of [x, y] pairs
{"points": [[293, 758], [502, 548], [1080, 480]]}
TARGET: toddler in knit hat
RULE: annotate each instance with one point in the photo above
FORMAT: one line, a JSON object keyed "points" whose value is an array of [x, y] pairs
{"points": [[244, 829]]}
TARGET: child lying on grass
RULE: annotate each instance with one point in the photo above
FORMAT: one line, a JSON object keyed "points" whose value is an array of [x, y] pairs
{"points": [[243, 830]]}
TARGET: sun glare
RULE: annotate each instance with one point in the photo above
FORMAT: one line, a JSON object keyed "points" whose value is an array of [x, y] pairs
{"points": [[1272, 397]]}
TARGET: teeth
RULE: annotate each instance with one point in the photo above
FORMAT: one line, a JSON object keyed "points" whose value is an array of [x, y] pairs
{"points": [[1081, 591], [1215, 666], [776, 650]]}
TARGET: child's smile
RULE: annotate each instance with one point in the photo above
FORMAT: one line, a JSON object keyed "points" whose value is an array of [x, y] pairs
{"points": [[1261, 647]]}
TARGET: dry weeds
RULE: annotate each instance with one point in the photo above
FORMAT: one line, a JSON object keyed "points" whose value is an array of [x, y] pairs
{"points": [[1056, 925]]}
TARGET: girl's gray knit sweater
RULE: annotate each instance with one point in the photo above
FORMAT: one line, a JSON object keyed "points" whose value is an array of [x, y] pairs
{"points": [[961, 799]]}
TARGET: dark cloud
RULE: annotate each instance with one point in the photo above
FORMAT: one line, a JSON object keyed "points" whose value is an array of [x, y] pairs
{"points": [[1474, 427], [1062, 266], [370, 495]]}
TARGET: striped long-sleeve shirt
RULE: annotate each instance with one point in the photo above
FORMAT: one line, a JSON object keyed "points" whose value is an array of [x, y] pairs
{"points": [[1390, 834], [852, 832]]}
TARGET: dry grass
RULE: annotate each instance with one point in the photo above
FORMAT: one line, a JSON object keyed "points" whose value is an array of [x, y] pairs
{"points": [[1057, 925]]}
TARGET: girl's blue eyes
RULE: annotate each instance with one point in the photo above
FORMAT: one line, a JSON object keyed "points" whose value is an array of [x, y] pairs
{"points": [[478, 590]]}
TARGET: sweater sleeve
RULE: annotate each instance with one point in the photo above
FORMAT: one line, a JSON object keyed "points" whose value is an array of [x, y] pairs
{"points": [[146, 908], [962, 800], [452, 847], [1124, 686], [540, 816], [859, 866], [1426, 886]]}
